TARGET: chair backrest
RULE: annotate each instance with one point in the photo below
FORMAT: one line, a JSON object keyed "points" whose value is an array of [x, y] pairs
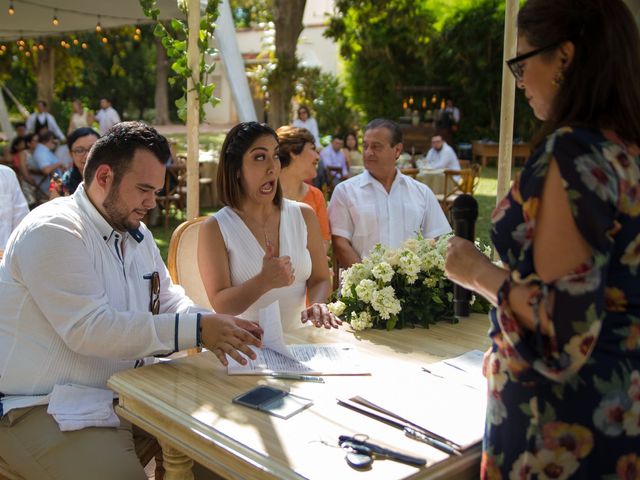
{"points": [[411, 172], [183, 260]]}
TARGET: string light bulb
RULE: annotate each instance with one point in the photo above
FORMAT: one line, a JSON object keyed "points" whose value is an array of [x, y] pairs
{"points": [[84, 45], [27, 53], [11, 9], [138, 31], [55, 20], [136, 37], [41, 47], [105, 40], [98, 26], [75, 41]]}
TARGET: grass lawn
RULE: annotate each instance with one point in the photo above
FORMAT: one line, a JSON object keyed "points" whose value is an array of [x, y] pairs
{"points": [[486, 196]]}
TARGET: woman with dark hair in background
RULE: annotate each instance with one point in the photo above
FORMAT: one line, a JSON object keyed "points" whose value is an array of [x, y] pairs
{"points": [[353, 154], [564, 368], [305, 120], [79, 142], [299, 161], [261, 248]]}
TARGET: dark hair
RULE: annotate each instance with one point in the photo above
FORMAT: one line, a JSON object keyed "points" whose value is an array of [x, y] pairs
{"points": [[28, 137], [43, 103], [292, 140], [352, 134], [72, 179], [600, 87], [235, 145], [44, 137], [19, 124], [305, 108], [118, 147], [393, 127], [15, 142], [79, 133]]}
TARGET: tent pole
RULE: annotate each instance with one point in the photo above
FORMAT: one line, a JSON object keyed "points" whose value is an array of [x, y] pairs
{"points": [[5, 124], [507, 101], [193, 111]]}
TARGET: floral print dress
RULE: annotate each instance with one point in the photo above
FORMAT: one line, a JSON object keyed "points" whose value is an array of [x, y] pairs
{"points": [[567, 405]]}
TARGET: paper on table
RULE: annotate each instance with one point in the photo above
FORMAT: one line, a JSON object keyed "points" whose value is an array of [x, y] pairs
{"points": [[465, 369], [441, 406], [312, 359]]}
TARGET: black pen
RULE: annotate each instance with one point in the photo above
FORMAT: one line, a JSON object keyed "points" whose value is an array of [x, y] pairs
{"points": [[417, 435]]}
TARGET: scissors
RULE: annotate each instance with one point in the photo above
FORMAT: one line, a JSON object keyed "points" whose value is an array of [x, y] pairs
{"points": [[361, 452]]}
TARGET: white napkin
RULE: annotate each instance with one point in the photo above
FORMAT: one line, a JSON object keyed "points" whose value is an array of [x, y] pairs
{"points": [[75, 407]]}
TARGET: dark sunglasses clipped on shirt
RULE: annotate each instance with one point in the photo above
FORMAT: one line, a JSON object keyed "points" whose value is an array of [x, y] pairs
{"points": [[515, 63], [154, 292]]}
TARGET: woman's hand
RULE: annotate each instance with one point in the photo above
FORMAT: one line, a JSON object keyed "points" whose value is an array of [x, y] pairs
{"points": [[320, 316], [224, 334], [276, 271], [463, 262]]}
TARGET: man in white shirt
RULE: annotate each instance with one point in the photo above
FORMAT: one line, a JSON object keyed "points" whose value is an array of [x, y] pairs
{"points": [[13, 205], [41, 121], [85, 294], [381, 205], [107, 116], [441, 155]]}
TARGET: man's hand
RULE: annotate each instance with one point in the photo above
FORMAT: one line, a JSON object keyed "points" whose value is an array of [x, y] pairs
{"points": [[224, 334], [320, 316]]}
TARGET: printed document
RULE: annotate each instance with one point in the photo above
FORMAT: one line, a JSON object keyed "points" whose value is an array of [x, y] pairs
{"points": [[310, 359]]}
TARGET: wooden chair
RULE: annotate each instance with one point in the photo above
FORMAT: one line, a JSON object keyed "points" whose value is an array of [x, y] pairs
{"points": [[411, 172], [174, 194], [182, 260], [466, 184]]}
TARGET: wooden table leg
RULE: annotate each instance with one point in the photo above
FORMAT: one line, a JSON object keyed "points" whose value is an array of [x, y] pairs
{"points": [[177, 466]]}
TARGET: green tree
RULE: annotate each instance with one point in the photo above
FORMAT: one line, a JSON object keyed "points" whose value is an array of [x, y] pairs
{"points": [[386, 45]]}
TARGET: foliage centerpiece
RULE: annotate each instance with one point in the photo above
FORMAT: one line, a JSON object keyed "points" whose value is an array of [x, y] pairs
{"points": [[396, 287]]}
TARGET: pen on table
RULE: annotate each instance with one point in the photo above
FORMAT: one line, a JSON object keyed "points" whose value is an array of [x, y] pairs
{"points": [[416, 435], [293, 376], [424, 369]]}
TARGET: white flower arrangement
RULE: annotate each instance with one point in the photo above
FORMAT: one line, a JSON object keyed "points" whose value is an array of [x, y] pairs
{"points": [[394, 287]]}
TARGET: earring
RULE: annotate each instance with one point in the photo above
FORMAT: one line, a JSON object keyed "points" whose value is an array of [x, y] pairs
{"points": [[558, 79]]}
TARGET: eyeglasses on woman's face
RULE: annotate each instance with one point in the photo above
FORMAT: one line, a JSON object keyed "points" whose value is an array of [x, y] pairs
{"points": [[80, 150], [516, 64]]}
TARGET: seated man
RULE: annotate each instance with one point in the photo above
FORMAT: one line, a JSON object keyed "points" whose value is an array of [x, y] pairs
{"points": [[441, 155], [85, 294], [44, 161], [333, 156], [381, 205]]}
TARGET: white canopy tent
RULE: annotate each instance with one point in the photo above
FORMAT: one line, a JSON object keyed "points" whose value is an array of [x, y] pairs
{"points": [[35, 19]]}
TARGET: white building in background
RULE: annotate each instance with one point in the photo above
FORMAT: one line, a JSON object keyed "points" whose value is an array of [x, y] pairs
{"points": [[314, 50]]}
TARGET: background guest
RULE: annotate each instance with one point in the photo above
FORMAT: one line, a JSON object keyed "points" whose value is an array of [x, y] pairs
{"points": [[42, 121], [13, 205], [107, 116], [81, 117], [80, 142], [440, 155], [564, 368], [353, 154], [261, 247], [44, 161], [305, 120], [299, 161]]}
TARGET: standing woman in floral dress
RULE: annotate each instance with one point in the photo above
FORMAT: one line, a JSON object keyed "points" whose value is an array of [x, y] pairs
{"points": [[564, 368]]}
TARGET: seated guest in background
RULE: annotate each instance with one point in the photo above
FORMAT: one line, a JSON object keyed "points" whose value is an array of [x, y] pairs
{"points": [[563, 371], [20, 163], [299, 161], [381, 205], [440, 155], [21, 129], [261, 247], [42, 121], [44, 161], [332, 156], [79, 142], [13, 205], [89, 296], [353, 154], [305, 120]]}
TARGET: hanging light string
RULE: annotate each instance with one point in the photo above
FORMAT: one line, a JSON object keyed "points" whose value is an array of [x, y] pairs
{"points": [[68, 10]]}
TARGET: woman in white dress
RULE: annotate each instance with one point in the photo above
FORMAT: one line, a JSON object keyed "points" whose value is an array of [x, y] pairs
{"points": [[305, 120], [80, 117], [262, 247]]}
